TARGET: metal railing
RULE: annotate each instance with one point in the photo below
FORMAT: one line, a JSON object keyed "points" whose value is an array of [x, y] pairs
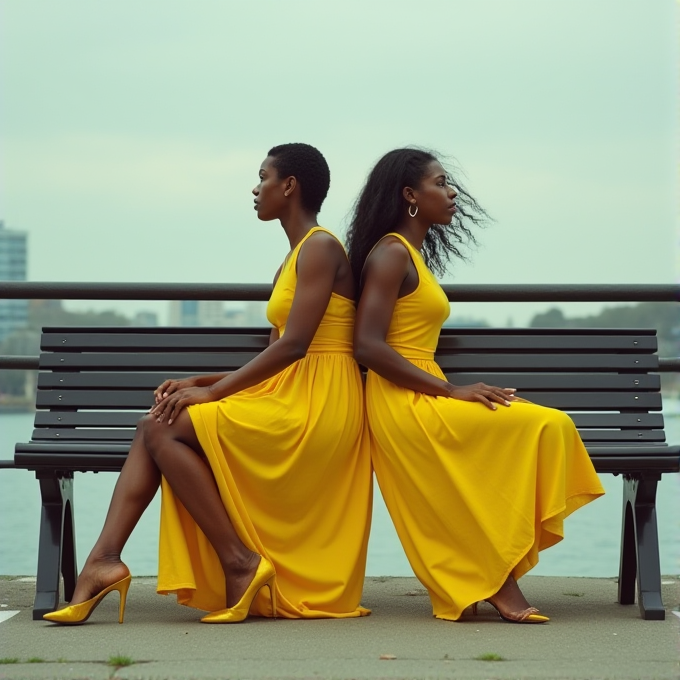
{"points": [[245, 292], [562, 292]]}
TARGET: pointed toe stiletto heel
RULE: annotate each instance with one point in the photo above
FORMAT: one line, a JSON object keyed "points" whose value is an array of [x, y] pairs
{"points": [[79, 613], [265, 575]]}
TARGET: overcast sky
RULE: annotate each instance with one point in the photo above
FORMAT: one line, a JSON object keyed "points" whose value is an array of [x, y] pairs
{"points": [[131, 132]]}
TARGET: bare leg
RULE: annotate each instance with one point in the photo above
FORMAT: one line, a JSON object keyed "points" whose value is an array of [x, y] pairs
{"points": [[136, 486], [178, 455], [509, 598]]}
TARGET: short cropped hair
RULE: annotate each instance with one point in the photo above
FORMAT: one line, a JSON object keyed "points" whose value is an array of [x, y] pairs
{"points": [[309, 167]]}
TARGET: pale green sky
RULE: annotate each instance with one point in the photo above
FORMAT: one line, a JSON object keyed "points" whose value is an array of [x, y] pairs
{"points": [[131, 132]]}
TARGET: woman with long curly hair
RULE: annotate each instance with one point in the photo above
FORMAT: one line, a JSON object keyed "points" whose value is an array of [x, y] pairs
{"points": [[477, 481]]}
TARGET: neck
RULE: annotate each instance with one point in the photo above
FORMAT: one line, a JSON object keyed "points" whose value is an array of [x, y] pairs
{"points": [[297, 224], [413, 231]]}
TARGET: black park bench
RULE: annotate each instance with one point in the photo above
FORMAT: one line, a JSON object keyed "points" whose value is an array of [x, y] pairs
{"points": [[95, 383]]}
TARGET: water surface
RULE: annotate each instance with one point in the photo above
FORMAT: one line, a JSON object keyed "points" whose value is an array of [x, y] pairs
{"points": [[590, 548]]}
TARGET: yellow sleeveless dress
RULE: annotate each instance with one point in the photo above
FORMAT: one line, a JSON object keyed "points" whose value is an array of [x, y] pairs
{"points": [[292, 463], [474, 494]]}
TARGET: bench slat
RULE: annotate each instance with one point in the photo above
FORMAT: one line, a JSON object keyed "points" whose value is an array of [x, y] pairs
{"points": [[618, 420], [461, 362], [588, 401], [105, 381], [95, 399], [155, 361], [469, 330], [87, 418], [132, 342], [561, 381], [548, 362], [522, 381], [129, 419], [446, 330], [618, 436], [88, 434], [578, 401], [574, 344], [122, 435]]}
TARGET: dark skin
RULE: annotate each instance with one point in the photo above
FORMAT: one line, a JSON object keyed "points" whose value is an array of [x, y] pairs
{"points": [[165, 442], [389, 274]]}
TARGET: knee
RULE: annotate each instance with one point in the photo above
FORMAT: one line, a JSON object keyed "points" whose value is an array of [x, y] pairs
{"points": [[562, 422], [152, 432]]}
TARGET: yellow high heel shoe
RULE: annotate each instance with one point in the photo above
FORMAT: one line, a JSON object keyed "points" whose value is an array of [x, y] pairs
{"points": [[79, 613], [528, 615], [264, 576]]}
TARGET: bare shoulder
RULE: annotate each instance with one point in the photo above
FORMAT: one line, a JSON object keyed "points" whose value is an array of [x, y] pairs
{"points": [[390, 253], [322, 245]]}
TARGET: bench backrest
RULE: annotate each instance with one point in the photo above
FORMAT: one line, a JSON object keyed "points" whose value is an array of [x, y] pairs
{"points": [[605, 378], [95, 383]]}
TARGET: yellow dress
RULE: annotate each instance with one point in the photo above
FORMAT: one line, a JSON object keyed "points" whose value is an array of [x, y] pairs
{"points": [[474, 494], [292, 464]]}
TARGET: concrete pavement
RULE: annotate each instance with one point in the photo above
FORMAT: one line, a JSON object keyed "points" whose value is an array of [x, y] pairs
{"points": [[589, 636]]}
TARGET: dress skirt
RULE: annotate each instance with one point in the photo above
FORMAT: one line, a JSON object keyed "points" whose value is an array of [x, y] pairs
{"points": [[474, 494], [291, 461]]}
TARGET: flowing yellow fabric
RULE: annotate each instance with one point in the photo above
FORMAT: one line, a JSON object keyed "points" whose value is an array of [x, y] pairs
{"points": [[292, 464], [474, 494]]}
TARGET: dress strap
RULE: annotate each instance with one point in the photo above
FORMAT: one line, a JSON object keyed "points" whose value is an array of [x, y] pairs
{"points": [[403, 239]]}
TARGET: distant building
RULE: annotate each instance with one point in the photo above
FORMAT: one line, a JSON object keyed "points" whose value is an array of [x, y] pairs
{"points": [[252, 313], [204, 313], [13, 267], [197, 313]]}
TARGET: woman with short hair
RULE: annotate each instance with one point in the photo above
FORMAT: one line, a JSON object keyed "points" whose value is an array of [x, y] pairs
{"points": [[265, 473]]}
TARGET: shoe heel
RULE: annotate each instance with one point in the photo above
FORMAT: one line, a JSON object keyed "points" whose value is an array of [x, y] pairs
{"points": [[79, 613], [272, 591], [240, 611], [123, 591]]}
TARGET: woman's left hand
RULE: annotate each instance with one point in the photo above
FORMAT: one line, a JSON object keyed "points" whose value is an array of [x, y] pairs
{"points": [[170, 407]]}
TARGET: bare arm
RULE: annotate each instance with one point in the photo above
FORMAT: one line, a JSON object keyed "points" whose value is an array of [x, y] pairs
{"points": [[317, 266], [384, 273], [170, 386]]}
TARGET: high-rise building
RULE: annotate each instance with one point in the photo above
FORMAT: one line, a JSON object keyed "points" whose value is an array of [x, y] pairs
{"points": [[13, 260]]}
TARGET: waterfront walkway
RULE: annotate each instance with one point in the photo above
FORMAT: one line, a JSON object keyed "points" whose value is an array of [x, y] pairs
{"points": [[590, 636]]}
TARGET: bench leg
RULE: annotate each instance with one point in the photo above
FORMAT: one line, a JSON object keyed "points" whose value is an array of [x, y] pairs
{"points": [[56, 550], [628, 563], [640, 547], [69, 565]]}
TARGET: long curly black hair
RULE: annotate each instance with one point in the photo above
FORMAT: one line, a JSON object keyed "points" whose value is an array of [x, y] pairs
{"points": [[381, 205]]}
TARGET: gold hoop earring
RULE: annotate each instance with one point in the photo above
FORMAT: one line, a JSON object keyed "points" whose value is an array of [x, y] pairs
{"points": [[413, 214]]}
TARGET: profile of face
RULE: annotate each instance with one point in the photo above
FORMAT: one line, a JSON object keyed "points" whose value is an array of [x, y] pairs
{"points": [[434, 196], [272, 192]]}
